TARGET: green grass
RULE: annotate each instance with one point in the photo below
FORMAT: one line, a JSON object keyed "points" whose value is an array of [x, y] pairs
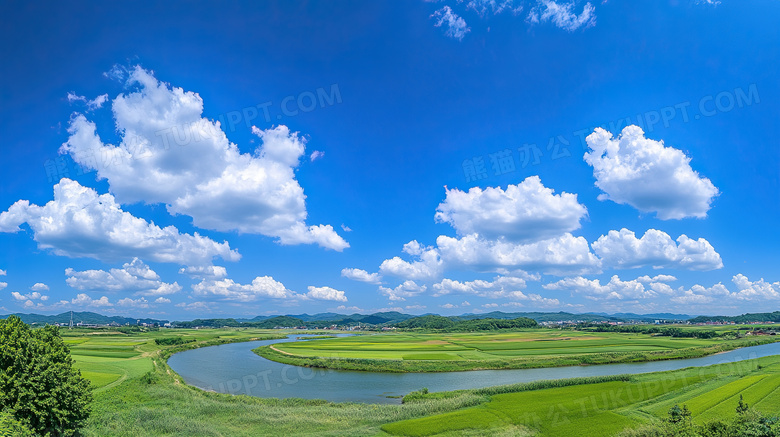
{"points": [[531, 348], [129, 402], [604, 409]]}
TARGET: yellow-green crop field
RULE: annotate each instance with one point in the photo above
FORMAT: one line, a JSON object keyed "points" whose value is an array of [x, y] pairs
{"points": [[541, 343], [605, 409]]}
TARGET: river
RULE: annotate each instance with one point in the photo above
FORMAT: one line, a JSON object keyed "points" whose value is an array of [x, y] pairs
{"points": [[233, 368]]}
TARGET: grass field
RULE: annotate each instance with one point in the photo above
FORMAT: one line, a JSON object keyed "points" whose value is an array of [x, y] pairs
{"points": [[482, 346], [136, 393], [110, 357], [604, 409], [405, 352]]}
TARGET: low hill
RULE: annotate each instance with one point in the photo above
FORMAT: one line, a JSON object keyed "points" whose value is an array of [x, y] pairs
{"points": [[434, 322], [744, 318], [85, 317]]}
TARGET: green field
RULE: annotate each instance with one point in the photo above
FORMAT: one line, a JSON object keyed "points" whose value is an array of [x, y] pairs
{"points": [[136, 393], [604, 409], [110, 357], [411, 352], [485, 346]]}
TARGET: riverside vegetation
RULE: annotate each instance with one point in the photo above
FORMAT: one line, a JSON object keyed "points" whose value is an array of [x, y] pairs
{"points": [[136, 393]]}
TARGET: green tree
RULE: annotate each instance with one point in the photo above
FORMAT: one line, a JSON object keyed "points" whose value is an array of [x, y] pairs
{"points": [[10, 427], [742, 407], [38, 386]]}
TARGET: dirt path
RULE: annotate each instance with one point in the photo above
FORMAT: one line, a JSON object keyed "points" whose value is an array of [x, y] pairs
{"points": [[282, 352]]}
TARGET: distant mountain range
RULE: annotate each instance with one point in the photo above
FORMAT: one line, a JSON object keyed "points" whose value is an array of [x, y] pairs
{"points": [[81, 317], [389, 318]]}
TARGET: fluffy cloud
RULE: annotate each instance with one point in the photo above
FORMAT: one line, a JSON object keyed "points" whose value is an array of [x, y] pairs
{"points": [[645, 174], [30, 296], [657, 278], [558, 256], [133, 303], [524, 212], [361, 275], [81, 223], [403, 291], [204, 272], [326, 293], [84, 300], [562, 15], [169, 154], [227, 289], [352, 308], [134, 276], [621, 249], [455, 25], [614, 289], [39, 286], [757, 290], [3, 284], [619, 290], [427, 265], [501, 286]]}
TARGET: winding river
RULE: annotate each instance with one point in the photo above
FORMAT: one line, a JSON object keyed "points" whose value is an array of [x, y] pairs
{"points": [[233, 368]]}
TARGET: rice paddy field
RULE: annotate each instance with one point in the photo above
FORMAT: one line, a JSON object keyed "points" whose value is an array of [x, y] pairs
{"points": [[136, 393], [531, 348], [605, 409], [106, 358], [486, 346]]}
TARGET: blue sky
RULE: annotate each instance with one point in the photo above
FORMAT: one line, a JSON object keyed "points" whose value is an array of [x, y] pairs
{"points": [[184, 160]]}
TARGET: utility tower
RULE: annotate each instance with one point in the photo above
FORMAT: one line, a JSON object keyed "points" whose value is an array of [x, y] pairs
{"points": [[71, 321]]}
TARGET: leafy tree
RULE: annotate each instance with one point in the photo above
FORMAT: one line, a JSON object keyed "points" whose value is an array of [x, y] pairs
{"points": [[10, 427], [38, 386], [742, 407], [679, 415]]}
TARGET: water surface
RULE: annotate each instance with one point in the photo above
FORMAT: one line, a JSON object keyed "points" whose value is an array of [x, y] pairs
{"points": [[234, 368]]}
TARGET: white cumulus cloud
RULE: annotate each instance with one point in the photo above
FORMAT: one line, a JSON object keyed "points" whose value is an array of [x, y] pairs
{"points": [[755, 290], [647, 175], [562, 255], [35, 295], [426, 264], [227, 289], [39, 286], [170, 154], [84, 300], [361, 275], [621, 249], [614, 289], [402, 292], [81, 223], [500, 286], [135, 277], [326, 293], [204, 272], [525, 212]]}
